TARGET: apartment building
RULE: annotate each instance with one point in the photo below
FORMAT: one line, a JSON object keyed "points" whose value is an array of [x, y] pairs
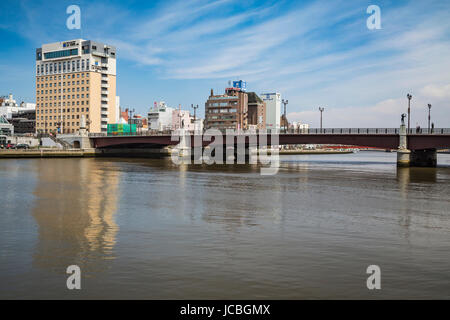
{"points": [[75, 79], [227, 111]]}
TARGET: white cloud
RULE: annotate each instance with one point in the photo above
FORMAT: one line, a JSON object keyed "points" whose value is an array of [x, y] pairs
{"points": [[383, 114]]}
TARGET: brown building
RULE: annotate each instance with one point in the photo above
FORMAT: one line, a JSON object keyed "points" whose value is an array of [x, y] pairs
{"points": [[227, 111], [75, 79], [256, 111]]}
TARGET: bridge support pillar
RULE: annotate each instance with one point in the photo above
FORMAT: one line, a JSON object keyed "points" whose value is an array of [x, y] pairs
{"points": [[403, 154], [423, 158], [403, 158]]}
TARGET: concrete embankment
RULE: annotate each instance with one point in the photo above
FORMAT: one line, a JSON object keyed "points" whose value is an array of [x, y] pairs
{"points": [[47, 153]]}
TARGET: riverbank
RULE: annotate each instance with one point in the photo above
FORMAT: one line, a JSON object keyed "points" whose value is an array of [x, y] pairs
{"points": [[47, 153]]}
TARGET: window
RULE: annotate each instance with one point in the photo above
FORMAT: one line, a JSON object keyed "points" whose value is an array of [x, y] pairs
{"points": [[61, 53]]}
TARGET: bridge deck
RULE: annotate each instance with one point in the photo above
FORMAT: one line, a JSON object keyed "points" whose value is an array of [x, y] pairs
{"points": [[387, 138]]}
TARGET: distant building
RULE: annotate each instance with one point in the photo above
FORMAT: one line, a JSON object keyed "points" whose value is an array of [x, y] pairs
{"points": [[5, 127], [197, 125], [299, 127], [273, 111], [227, 111], [24, 122], [256, 112], [160, 117], [181, 119], [140, 122], [22, 117], [124, 115], [9, 107]]}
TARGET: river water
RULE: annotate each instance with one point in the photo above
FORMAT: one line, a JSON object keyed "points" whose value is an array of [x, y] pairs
{"points": [[149, 229]]}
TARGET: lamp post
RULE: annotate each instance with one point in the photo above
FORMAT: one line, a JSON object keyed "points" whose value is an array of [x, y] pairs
{"points": [[195, 109], [429, 117], [130, 112], [409, 110], [285, 102], [321, 109]]}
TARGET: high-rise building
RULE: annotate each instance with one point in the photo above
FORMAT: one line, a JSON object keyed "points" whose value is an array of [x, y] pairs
{"points": [[227, 111], [273, 111], [75, 79]]}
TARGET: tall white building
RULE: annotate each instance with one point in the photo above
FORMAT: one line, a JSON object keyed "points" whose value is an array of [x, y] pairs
{"points": [[273, 110], [160, 117]]}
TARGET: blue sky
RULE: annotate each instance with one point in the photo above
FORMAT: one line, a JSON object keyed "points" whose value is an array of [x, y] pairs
{"points": [[316, 53]]}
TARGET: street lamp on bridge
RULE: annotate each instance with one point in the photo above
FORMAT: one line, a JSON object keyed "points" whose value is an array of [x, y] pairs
{"points": [[321, 109], [195, 109], [285, 102], [409, 109], [429, 117]]}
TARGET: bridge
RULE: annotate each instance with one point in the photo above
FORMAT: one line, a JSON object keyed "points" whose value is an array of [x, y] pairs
{"points": [[416, 147]]}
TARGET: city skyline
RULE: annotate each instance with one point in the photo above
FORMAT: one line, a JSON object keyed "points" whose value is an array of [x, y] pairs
{"points": [[177, 52]]}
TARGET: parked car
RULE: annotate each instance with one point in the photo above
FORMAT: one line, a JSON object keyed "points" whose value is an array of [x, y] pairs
{"points": [[10, 146], [22, 146]]}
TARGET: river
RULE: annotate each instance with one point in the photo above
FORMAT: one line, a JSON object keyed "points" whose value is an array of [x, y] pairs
{"points": [[149, 229]]}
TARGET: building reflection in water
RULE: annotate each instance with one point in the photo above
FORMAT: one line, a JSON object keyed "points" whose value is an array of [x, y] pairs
{"points": [[406, 178], [76, 201]]}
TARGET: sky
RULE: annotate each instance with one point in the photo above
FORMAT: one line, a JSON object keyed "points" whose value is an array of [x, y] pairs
{"points": [[315, 53]]}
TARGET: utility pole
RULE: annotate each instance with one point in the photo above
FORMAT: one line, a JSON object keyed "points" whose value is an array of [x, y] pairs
{"points": [[409, 110], [285, 102], [429, 117], [321, 109]]}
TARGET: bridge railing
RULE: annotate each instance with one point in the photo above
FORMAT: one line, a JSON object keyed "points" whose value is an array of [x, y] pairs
{"points": [[364, 131], [435, 131], [344, 131]]}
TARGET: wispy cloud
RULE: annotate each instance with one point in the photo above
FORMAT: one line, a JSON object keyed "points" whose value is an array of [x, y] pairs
{"points": [[314, 53]]}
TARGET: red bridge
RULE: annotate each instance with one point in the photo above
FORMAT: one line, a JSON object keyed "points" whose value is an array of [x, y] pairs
{"points": [[386, 138]]}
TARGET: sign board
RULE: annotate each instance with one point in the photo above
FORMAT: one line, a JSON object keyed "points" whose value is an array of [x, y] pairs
{"points": [[240, 84]]}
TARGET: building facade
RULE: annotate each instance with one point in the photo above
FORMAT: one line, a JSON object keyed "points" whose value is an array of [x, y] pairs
{"points": [[24, 122], [9, 107], [75, 79], [256, 112], [6, 128], [227, 111], [181, 119], [160, 117], [273, 110]]}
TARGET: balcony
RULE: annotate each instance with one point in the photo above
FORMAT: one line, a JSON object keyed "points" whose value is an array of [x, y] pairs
{"points": [[105, 99], [104, 112], [105, 85]]}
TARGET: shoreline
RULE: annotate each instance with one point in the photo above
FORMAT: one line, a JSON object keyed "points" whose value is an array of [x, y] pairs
{"points": [[47, 153]]}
